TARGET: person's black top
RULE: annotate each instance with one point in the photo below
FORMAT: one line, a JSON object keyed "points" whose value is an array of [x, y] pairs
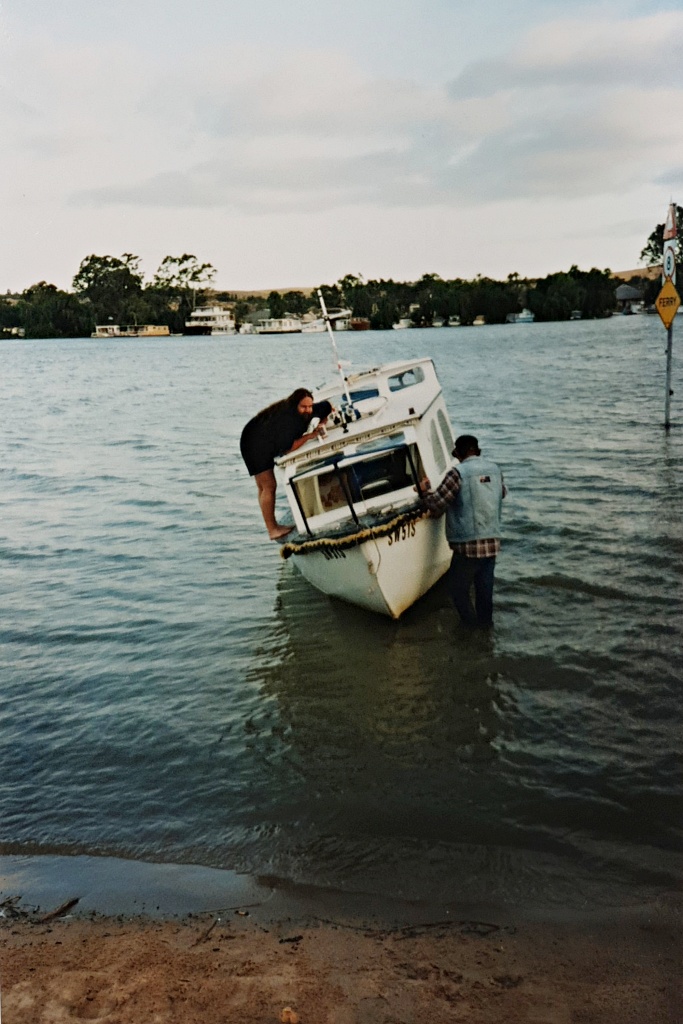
{"points": [[264, 439]]}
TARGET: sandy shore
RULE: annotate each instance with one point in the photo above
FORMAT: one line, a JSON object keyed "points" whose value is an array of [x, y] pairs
{"points": [[237, 966]]}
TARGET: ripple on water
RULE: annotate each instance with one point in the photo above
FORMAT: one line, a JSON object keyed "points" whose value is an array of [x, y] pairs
{"points": [[172, 691]]}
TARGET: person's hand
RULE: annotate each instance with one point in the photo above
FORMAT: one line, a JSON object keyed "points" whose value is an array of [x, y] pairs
{"points": [[424, 485]]}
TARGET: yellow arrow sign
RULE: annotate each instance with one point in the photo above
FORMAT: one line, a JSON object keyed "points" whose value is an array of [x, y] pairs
{"points": [[667, 303]]}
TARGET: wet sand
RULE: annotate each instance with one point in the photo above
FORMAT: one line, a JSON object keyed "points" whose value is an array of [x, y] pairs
{"points": [[252, 966]]}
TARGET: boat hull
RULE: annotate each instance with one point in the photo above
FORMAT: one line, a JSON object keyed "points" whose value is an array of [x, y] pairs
{"points": [[194, 331], [384, 574]]}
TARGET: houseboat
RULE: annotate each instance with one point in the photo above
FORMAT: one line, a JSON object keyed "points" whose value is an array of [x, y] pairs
{"points": [[212, 320], [131, 331]]}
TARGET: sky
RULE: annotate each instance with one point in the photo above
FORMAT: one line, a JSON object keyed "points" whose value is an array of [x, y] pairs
{"points": [[290, 144]]}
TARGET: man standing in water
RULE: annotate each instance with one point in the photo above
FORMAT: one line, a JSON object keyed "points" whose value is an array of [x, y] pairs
{"points": [[471, 497]]}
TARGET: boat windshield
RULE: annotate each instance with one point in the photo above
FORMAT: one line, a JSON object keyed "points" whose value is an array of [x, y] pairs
{"points": [[407, 378], [360, 479]]}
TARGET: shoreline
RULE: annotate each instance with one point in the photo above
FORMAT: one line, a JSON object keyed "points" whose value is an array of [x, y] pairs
{"points": [[203, 946], [110, 887]]}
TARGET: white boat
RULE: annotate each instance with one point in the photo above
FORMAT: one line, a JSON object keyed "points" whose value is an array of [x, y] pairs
{"points": [[339, 319], [403, 323], [362, 532], [213, 320], [131, 331], [525, 317], [279, 325], [313, 327]]}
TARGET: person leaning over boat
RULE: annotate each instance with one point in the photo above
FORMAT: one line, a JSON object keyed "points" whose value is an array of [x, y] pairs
{"points": [[471, 497], [277, 429]]}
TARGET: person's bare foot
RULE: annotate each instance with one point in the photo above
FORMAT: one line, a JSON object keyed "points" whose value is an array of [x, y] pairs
{"points": [[279, 532]]}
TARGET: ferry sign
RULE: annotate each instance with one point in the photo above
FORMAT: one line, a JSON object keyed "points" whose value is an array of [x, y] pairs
{"points": [[667, 303]]}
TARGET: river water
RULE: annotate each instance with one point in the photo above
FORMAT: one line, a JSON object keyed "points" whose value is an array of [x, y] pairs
{"points": [[171, 690]]}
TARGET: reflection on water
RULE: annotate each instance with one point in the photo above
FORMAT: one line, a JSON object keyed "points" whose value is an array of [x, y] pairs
{"points": [[350, 684], [418, 755]]}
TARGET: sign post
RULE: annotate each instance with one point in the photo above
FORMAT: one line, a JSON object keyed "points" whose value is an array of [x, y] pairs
{"points": [[668, 300]]}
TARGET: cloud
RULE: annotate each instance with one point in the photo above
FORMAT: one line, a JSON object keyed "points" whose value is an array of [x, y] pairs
{"points": [[575, 108], [584, 54], [673, 178]]}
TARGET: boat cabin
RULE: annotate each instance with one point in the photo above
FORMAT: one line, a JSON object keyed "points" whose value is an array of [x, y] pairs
{"points": [[392, 433]]}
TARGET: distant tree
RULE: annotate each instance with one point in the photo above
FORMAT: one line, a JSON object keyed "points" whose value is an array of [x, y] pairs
{"points": [[488, 298], [111, 284], [446, 302], [428, 296], [179, 284], [555, 297], [598, 292], [361, 304], [183, 273], [496, 300], [276, 305], [384, 314], [242, 310], [295, 303], [467, 303], [47, 312], [332, 295], [348, 284], [355, 295], [10, 315], [518, 289]]}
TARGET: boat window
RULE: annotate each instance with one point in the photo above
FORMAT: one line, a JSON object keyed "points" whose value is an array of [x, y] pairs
{"points": [[406, 379], [393, 441], [364, 480], [437, 448], [361, 395], [446, 431]]}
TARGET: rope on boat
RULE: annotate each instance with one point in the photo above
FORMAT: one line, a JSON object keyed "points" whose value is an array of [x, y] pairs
{"points": [[352, 540]]}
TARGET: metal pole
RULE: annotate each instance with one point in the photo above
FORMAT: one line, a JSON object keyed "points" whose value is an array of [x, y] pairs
{"points": [[326, 318], [669, 392]]}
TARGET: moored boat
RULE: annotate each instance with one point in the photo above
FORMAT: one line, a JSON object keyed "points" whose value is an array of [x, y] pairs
{"points": [[362, 532], [131, 331], [525, 317], [339, 320], [279, 325], [213, 320]]}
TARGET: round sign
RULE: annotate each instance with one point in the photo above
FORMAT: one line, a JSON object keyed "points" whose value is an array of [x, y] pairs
{"points": [[669, 262]]}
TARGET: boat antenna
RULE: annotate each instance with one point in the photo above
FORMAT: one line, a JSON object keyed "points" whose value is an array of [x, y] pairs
{"points": [[328, 322]]}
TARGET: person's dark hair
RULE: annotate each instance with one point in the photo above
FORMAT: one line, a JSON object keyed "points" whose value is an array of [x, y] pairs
{"points": [[290, 402], [464, 444]]}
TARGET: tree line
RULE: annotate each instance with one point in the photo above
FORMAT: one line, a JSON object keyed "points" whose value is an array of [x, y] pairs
{"points": [[111, 289]]}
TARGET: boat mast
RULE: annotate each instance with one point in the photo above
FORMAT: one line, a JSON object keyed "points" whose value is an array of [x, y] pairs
{"points": [[326, 318]]}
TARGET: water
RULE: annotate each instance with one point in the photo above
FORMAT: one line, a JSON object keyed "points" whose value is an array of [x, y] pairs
{"points": [[170, 690]]}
